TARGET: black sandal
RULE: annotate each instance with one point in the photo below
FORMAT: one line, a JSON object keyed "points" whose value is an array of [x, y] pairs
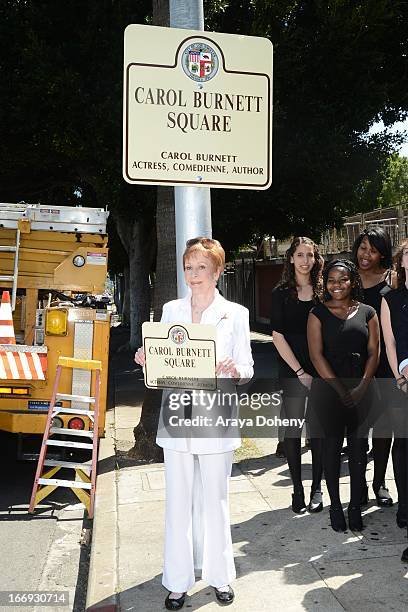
{"points": [[174, 604], [383, 497]]}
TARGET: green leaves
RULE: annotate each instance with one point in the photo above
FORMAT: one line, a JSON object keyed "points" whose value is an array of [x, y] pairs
{"points": [[339, 66]]}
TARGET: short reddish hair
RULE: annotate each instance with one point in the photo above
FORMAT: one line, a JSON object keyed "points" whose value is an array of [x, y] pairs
{"points": [[209, 248]]}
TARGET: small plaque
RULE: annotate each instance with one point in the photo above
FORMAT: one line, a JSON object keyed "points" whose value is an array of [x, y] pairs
{"points": [[179, 356]]}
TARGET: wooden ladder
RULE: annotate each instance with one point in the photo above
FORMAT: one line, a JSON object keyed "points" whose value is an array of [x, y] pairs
{"points": [[84, 485]]}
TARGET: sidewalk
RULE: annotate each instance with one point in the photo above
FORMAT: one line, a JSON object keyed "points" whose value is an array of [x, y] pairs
{"points": [[284, 562]]}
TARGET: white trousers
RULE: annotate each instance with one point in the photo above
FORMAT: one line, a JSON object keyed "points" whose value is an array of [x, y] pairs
{"points": [[210, 539]]}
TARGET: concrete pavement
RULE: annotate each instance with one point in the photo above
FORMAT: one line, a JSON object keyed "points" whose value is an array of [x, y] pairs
{"points": [[284, 562]]}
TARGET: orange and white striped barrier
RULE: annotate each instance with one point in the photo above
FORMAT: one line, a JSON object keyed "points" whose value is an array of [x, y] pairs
{"points": [[7, 335], [21, 362]]}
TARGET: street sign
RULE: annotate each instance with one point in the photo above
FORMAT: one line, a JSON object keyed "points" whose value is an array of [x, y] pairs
{"points": [[197, 108], [179, 355]]}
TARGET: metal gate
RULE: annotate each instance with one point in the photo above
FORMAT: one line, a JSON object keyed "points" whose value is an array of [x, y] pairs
{"points": [[237, 283]]}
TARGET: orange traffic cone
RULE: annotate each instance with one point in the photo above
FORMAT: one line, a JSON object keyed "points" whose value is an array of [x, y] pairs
{"points": [[7, 335]]}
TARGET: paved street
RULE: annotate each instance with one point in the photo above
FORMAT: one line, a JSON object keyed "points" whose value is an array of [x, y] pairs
{"points": [[43, 552]]}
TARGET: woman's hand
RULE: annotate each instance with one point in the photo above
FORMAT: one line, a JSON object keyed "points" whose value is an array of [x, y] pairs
{"points": [[140, 356], [357, 394], [306, 380], [346, 398], [402, 383], [227, 366]]}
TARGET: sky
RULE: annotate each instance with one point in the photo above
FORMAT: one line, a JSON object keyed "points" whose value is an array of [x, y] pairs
{"points": [[400, 125]]}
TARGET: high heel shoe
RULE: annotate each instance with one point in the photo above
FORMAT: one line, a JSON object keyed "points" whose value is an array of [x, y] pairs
{"points": [[383, 497], [298, 502], [316, 503], [364, 496], [402, 516], [354, 518], [338, 522]]}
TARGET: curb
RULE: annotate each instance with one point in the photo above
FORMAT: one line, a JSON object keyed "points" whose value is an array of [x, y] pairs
{"points": [[103, 580]]}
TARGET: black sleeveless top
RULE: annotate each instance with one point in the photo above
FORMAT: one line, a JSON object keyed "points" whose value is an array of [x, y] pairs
{"points": [[373, 297], [289, 317], [345, 340], [397, 301]]}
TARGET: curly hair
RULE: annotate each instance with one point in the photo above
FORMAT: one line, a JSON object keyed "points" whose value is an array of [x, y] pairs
{"points": [[288, 279], [401, 273], [356, 286], [380, 240]]}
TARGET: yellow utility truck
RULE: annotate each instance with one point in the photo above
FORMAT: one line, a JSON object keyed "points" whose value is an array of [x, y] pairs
{"points": [[53, 263]]}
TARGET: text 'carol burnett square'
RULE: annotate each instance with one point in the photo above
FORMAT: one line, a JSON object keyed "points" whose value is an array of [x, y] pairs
{"points": [[197, 108]]}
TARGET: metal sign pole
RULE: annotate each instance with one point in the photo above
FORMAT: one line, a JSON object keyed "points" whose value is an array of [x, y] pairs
{"points": [[192, 204]]}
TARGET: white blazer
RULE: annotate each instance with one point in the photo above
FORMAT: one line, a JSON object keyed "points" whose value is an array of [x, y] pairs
{"points": [[231, 322]]}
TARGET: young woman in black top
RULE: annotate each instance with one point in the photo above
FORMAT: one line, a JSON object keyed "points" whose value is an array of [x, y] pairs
{"points": [[343, 337], [372, 254], [297, 292], [394, 321]]}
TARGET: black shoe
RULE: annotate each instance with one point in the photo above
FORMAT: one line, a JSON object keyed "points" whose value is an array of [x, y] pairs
{"points": [[383, 497], [174, 604], [224, 597], [364, 496], [354, 518], [338, 522], [316, 503], [298, 502], [404, 556], [280, 451], [402, 516]]}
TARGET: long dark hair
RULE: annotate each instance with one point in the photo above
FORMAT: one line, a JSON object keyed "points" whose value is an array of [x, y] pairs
{"points": [[401, 272], [356, 286], [288, 279], [380, 240]]}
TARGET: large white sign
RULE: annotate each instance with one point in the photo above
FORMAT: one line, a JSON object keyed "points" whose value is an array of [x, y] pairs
{"points": [[197, 108]]}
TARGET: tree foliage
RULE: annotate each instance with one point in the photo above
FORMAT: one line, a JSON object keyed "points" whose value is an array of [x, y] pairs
{"points": [[61, 97], [394, 190], [61, 115], [339, 66]]}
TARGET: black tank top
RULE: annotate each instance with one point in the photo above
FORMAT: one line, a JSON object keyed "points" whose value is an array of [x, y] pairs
{"points": [[289, 318], [373, 297], [345, 340]]}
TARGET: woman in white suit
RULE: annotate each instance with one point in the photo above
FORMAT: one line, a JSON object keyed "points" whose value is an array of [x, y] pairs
{"points": [[203, 260]]}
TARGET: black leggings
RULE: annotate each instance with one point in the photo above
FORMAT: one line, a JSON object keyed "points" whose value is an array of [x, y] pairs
{"points": [[400, 459], [399, 419], [357, 465], [389, 415], [295, 408], [331, 420], [382, 431]]}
